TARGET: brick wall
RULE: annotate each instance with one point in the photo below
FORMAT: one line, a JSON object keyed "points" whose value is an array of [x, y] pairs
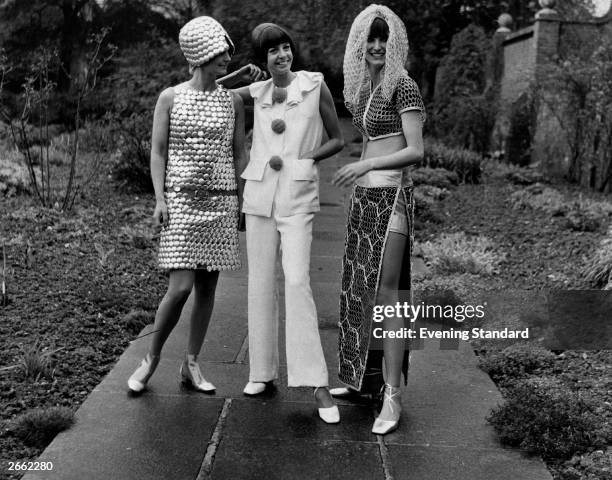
{"points": [[518, 65], [525, 55]]}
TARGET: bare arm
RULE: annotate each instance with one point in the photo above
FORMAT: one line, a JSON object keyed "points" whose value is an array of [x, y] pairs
{"points": [[410, 155], [159, 151], [247, 74], [240, 156], [329, 116]]}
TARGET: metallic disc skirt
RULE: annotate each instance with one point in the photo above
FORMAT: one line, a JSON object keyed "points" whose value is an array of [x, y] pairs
{"points": [[202, 231]]}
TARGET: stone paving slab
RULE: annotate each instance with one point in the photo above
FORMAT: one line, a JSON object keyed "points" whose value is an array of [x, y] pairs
{"points": [[289, 421], [417, 462], [157, 437], [246, 459]]}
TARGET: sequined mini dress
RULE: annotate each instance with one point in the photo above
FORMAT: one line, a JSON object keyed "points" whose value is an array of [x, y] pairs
{"points": [[200, 184]]}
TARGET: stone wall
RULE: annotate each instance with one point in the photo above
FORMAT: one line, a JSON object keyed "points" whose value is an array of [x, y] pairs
{"points": [[520, 64]]}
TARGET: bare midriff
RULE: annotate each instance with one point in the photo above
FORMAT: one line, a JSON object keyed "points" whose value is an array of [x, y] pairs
{"points": [[378, 148]]}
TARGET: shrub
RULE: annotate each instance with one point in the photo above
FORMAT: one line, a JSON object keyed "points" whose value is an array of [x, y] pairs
{"points": [[583, 221], [468, 287], [595, 465], [552, 423], [598, 270], [538, 196], [525, 176], [425, 209], [14, 177], [442, 297], [462, 115], [582, 214], [131, 169], [522, 126], [465, 163], [437, 177], [457, 253], [516, 361], [37, 428], [137, 236], [136, 320], [432, 192]]}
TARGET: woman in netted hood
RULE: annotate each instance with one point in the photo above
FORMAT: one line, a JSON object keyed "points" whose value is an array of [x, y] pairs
{"points": [[197, 151], [388, 111]]}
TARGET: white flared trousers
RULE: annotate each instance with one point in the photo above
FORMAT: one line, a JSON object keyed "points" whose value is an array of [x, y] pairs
{"points": [[305, 360]]}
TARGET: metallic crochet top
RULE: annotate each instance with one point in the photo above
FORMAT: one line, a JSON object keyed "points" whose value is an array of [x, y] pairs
{"points": [[200, 147], [376, 117]]}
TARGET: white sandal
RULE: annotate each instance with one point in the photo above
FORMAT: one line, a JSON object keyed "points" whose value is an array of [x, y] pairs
{"points": [[382, 427]]}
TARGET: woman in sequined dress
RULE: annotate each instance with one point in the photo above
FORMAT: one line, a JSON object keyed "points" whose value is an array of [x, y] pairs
{"points": [[388, 111], [281, 196], [197, 151]]}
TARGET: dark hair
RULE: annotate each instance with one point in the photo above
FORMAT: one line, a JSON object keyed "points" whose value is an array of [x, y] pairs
{"points": [[268, 35], [379, 29]]}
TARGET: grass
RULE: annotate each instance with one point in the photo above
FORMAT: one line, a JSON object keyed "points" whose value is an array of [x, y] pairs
{"points": [[38, 427], [35, 361]]}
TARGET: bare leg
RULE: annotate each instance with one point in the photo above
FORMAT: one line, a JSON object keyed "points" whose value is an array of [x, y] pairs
{"points": [[389, 283], [169, 310], [204, 300]]}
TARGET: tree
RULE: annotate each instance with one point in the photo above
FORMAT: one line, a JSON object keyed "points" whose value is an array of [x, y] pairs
{"points": [[461, 115], [61, 24]]}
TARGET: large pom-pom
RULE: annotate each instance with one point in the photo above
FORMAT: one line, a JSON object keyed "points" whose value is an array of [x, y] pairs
{"points": [[276, 162], [278, 125]]}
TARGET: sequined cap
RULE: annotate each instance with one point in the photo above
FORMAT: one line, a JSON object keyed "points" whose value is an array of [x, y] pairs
{"points": [[202, 39]]}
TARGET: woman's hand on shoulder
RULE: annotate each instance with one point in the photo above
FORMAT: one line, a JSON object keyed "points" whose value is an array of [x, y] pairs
{"points": [[251, 73]]}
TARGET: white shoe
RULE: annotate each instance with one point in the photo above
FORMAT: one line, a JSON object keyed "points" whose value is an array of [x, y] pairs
{"points": [[342, 392], [254, 388], [192, 376], [381, 426], [138, 381], [328, 414]]}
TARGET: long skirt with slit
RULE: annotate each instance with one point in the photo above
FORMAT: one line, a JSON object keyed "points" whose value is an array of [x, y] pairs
{"points": [[366, 237]]}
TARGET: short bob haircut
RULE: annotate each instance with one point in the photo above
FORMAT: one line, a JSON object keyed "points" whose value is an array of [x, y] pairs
{"points": [[379, 29], [268, 35]]}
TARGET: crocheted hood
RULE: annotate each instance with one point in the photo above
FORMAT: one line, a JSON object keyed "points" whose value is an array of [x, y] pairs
{"points": [[355, 69]]}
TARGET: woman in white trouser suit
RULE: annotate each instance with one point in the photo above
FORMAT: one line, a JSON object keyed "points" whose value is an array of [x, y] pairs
{"points": [[281, 196]]}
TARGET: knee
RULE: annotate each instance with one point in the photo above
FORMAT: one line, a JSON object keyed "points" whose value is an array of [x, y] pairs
{"points": [[179, 292]]}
